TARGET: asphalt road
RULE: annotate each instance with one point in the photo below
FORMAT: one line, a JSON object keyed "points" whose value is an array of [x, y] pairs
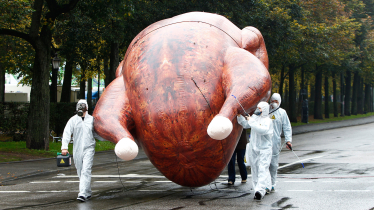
{"points": [[338, 174]]}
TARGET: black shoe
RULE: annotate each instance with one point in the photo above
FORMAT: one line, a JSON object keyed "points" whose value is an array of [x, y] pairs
{"points": [[229, 183], [258, 195], [81, 199], [88, 198]]}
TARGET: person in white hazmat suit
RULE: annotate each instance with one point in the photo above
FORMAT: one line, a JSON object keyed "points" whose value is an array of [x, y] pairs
{"points": [[260, 148], [280, 121], [81, 126]]}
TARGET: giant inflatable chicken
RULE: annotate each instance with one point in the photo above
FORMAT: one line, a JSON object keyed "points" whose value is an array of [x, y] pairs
{"points": [[172, 95]]}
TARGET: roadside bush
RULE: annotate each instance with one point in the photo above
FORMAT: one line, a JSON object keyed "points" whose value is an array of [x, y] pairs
{"points": [[13, 118], [14, 115]]}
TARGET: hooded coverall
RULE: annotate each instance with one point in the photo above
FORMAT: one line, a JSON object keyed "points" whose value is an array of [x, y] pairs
{"points": [[83, 149], [280, 121], [260, 147]]}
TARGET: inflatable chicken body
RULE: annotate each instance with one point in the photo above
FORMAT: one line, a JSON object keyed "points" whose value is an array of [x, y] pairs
{"points": [[173, 95]]}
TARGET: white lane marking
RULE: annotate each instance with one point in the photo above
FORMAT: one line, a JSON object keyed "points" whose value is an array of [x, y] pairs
{"points": [[52, 191], [298, 181], [15, 191], [59, 191], [43, 182], [134, 181], [329, 190], [331, 181], [115, 176], [151, 190], [162, 181], [299, 161], [105, 181], [227, 176], [300, 190], [361, 190], [351, 190]]}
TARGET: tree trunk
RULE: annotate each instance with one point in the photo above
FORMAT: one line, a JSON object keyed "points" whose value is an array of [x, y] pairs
{"points": [[98, 85], [347, 101], [106, 73], [89, 95], [318, 95], [335, 95], [301, 92], [292, 97], [371, 98], [2, 85], [312, 91], [360, 96], [38, 119], [53, 87], [98, 82], [281, 83], [2, 92], [82, 86], [327, 98], [354, 93], [342, 94], [367, 98], [286, 106], [114, 60], [66, 87]]}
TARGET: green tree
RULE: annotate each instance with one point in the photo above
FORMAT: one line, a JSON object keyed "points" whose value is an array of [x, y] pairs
{"points": [[40, 17]]}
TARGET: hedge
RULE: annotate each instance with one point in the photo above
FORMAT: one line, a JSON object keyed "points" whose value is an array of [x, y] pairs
{"points": [[14, 115]]}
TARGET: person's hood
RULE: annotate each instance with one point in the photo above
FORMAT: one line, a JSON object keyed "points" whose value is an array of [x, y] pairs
{"points": [[80, 102], [277, 97], [265, 108]]}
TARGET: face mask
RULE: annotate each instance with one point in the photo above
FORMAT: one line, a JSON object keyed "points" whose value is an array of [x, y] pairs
{"points": [[257, 112], [274, 105], [81, 109]]}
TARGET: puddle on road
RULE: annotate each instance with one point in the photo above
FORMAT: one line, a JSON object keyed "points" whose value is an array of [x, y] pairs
{"points": [[313, 152], [280, 202], [296, 168]]}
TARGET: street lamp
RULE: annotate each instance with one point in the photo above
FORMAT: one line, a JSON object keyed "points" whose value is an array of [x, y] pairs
{"points": [[56, 62], [55, 67]]}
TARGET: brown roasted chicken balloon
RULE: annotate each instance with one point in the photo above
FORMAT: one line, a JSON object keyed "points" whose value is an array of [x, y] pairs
{"points": [[173, 95]]}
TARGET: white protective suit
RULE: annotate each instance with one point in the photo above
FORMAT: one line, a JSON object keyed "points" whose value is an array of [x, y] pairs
{"points": [[83, 148], [280, 121], [260, 147]]}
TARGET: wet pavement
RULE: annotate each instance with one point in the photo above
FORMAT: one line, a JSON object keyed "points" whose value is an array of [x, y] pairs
{"points": [[338, 174]]}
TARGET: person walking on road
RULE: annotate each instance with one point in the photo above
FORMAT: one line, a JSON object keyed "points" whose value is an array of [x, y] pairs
{"points": [[239, 152], [81, 126], [280, 122], [260, 148]]}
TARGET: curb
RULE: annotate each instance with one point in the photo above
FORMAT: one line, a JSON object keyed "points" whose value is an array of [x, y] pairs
{"points": [[331, 125]]}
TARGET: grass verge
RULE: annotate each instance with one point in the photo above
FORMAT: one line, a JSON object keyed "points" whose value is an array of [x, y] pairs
{"points": [[17, 151], [331, 119]]}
